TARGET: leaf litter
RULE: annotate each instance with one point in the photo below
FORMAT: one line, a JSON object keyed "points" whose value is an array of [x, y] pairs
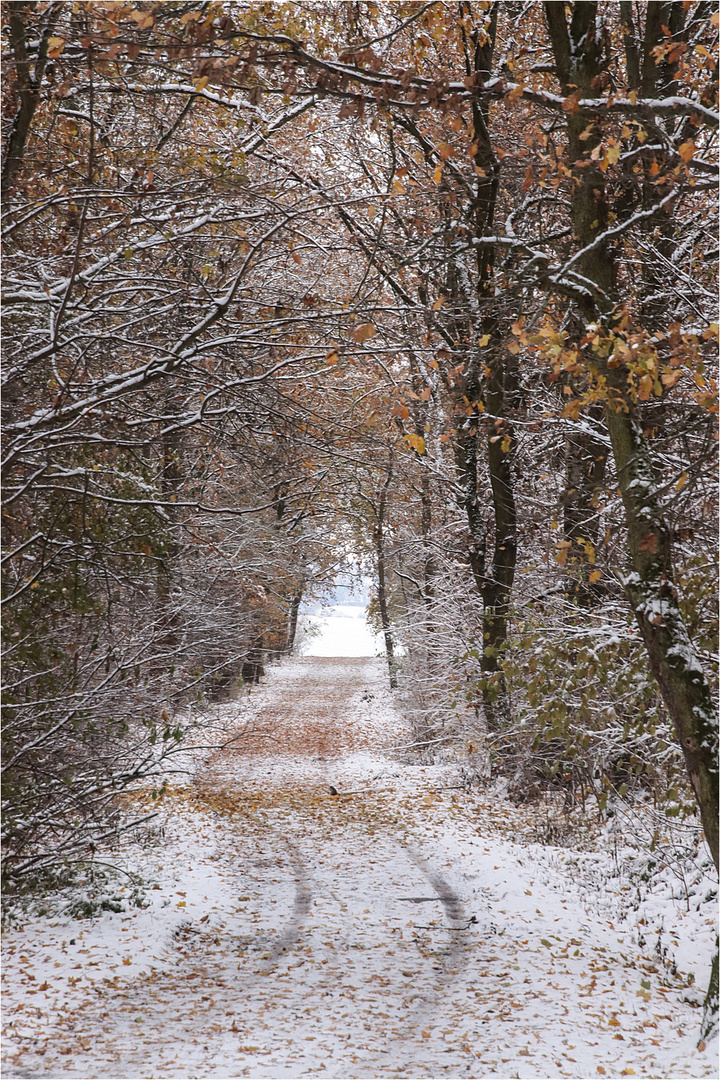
{"points": [[398, 928]]}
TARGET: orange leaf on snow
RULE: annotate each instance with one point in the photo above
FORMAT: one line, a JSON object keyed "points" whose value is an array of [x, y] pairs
{"points": [[364, 332]]}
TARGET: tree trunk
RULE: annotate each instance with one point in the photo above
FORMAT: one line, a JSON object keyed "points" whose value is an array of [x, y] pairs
{"points": [[654, 598], [585, 461], [498, 584], [382, 587], [170, 481], [292, 622], [649, 585], [27, 87]]}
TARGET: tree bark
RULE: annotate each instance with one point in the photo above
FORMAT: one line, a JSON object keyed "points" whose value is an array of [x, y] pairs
{"points": [[649, 585], [654, 598], [382, 585], [585, 461], [293, 621], [28, 86], [498, 584], [495, 587]]}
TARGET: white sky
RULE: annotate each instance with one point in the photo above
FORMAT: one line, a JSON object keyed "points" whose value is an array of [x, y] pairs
{"points": [[343, 631]]}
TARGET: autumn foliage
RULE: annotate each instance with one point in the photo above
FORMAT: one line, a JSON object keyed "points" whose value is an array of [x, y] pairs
{"points": [[429, 287]]}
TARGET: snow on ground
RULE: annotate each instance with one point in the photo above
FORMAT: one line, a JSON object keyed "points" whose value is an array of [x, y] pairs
{"points": [[400, 928]]}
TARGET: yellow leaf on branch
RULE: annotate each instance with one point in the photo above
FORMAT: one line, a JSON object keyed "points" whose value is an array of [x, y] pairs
{"points": [[687, 150], [417, 442], [645, 387]]}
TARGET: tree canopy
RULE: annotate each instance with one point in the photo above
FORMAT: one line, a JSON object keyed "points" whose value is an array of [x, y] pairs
{"points": [[426, 287]]}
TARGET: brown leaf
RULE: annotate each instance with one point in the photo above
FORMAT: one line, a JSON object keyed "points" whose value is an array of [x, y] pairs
{"points": [[572, 102], [364, 332], [144, 19]]}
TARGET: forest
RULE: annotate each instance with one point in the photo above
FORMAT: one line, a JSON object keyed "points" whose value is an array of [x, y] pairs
{"points": [[426, 289]]}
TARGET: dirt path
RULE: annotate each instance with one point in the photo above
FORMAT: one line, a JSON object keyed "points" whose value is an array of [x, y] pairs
{"points": [[390, 931]]}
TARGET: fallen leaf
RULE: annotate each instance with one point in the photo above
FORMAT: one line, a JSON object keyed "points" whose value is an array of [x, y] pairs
{"points": [[144, 19], [364, 332]]}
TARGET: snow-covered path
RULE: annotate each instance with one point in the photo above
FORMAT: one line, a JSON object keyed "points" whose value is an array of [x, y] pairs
{"points": [[392, 930]]}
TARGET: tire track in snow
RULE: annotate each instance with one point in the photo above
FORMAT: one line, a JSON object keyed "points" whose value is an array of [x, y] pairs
{"points": [[302, 902], [454, 955], [301, 906]]}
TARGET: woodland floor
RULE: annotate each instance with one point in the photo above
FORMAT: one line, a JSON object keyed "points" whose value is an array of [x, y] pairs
{"points": [[291, 933]]}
